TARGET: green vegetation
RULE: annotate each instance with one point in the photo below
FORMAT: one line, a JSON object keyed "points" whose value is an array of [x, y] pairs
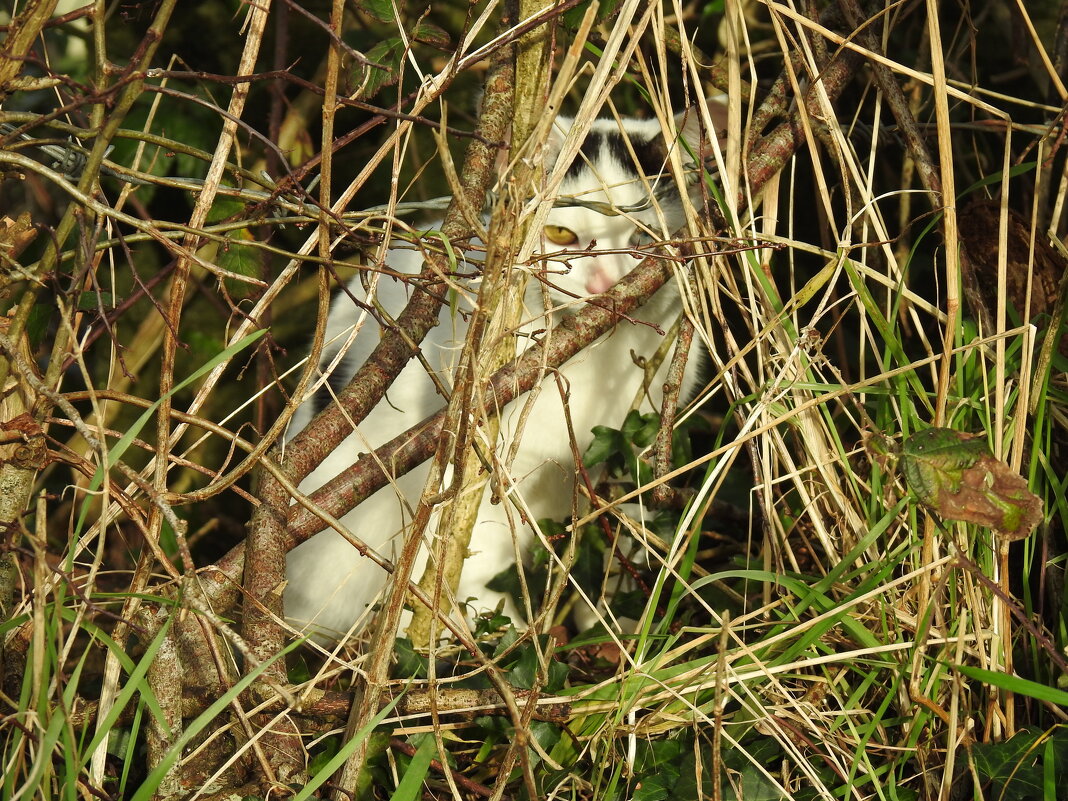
{"points": [[840, 596]]}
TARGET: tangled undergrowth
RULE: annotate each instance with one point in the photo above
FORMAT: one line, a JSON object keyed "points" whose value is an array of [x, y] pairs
{"points": [[818, 611]]}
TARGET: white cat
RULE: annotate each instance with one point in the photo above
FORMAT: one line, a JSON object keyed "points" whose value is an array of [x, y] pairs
{"points": [[330, 585]]}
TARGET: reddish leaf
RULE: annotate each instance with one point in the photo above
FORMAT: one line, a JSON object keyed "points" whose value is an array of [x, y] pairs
{"points": [[957, 476]]}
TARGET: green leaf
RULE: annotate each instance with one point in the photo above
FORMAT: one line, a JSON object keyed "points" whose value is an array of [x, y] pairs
{"points": [[236, 254], [641, 429], [606, 443], [507, 583], [224, 207], [957, 476], [547, 736], [750, 782], [558, 673], [430, 34], [381, 10], [588, 570], [508, 639], [38, 321], [525, 672], [650, 788], [572, 18], [410, 663], [1019, 769], [367, 80], [91, 301], [643, 472], [657, 756], [935, 459], [327, 750], [681, 449]]}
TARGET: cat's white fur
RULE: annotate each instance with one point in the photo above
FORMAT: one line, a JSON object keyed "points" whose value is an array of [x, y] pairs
{"points": [[330, 585]]}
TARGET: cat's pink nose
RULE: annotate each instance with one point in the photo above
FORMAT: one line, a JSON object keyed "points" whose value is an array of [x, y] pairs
{"points": [[600, 280]]}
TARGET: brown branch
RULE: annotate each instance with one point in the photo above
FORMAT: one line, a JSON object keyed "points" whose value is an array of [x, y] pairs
{"points": [[401, 342], [479, 173], [769, 157]]}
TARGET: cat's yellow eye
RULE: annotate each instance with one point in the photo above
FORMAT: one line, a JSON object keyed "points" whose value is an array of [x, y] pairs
{"points": [[559, 235]]}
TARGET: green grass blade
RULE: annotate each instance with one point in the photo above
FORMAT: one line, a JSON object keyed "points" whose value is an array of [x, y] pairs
{"points": [[410, 787], [148, 788], [343, 753], [134, 685], [1015, 684]]}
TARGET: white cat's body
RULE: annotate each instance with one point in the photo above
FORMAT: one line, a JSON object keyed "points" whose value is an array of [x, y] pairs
{"points": [[330, 585]]}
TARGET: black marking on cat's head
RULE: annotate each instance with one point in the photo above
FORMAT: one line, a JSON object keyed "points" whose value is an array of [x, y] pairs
{"points": [[650, 153], [588, 154]]}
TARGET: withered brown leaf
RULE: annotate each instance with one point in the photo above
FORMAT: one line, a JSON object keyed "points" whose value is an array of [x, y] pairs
{"points": [[957, 476]]}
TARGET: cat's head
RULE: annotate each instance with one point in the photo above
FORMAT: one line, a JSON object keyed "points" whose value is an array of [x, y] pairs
{"points": [[617, 196]]}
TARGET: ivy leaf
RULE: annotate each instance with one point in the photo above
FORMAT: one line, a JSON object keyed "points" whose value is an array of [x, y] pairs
{"points": [[650, 788], [327, 751], [643, 473], [748, 782], [1013, 770], [525, 673], [410, 663], [588, 570], [957, 476], [558, 673], [681, 449], [508, 639], [640, 428], [606, 442]]}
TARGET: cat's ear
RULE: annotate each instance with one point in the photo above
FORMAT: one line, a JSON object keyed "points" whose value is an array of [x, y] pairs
{"points": [[691, 128]]}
